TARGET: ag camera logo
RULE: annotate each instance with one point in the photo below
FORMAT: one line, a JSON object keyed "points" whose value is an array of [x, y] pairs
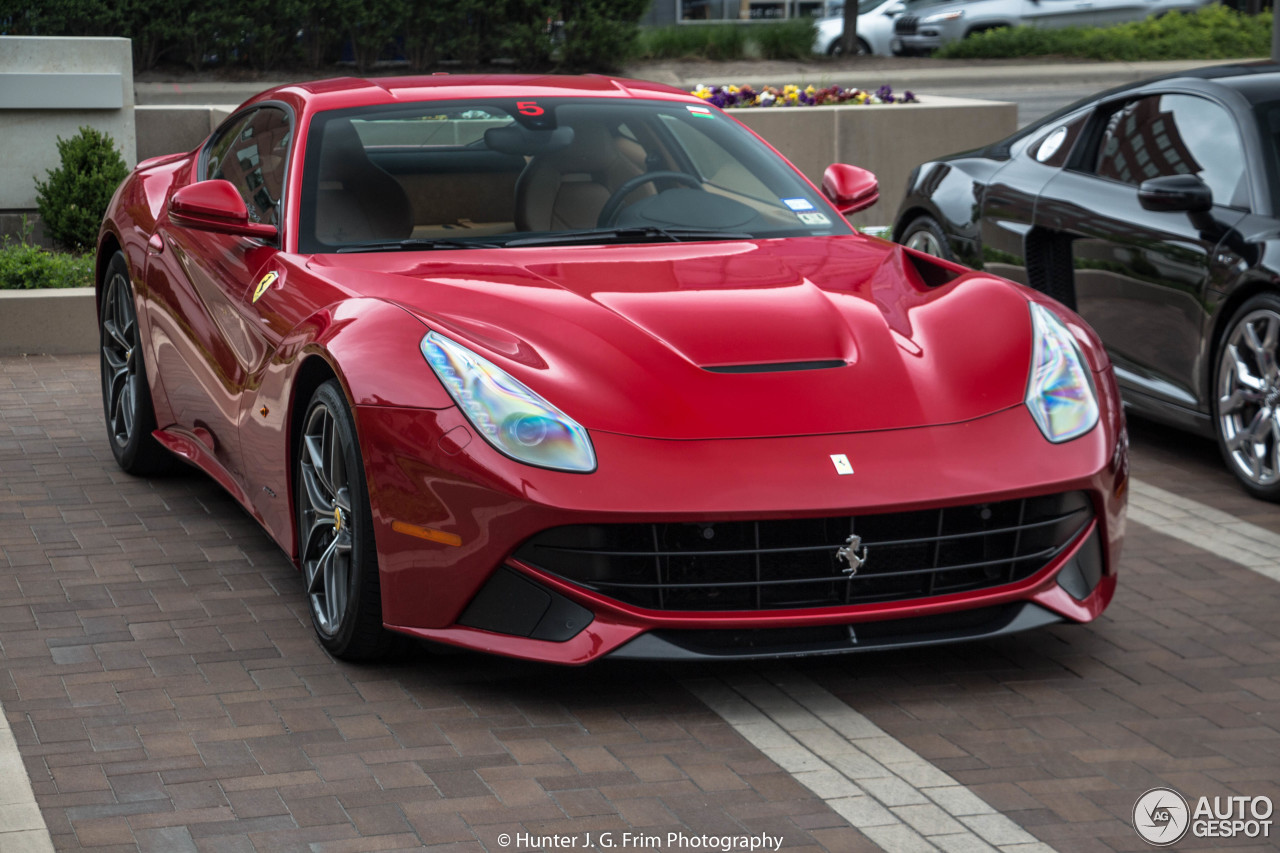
{"points": [[1161, 817]]}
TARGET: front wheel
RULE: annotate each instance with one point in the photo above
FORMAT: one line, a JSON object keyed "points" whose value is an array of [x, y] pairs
{"points": [[335, 531], [1247, 396]]}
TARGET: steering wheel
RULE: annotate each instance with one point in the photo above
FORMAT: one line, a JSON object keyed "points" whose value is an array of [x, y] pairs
{"points": [[609, 212]]}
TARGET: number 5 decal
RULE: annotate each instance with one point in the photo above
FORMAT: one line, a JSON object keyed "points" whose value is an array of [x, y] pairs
{"points": [[529, 108]]}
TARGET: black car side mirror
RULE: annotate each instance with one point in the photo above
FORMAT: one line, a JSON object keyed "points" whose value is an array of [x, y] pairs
{"points": [[1175, 193]]}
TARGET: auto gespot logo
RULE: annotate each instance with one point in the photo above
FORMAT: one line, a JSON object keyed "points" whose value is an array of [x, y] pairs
{"points": [[1162, 817]]}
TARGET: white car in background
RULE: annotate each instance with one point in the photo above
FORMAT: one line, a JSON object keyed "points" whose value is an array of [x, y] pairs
{"points": [[875, 27]]}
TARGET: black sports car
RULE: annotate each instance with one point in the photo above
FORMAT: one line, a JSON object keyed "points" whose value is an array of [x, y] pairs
{"points": [[1153, 210]]}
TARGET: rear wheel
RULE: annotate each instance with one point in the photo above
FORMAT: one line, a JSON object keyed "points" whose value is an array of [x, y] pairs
{"points": [[126, 397], [924, 234], [1247, 396], [335, 531]]}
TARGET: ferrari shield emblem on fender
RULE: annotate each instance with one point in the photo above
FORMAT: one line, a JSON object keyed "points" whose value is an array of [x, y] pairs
{"points": [[264, 284], [854, 553], [842, 463]]}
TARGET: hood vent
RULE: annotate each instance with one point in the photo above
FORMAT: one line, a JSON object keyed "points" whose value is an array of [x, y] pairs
{"points": [[777, 367]]}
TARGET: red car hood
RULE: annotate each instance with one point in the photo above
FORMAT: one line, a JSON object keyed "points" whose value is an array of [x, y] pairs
{"points": [[703, 340]]}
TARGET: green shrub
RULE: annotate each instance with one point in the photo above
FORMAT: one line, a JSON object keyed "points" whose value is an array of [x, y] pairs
{"points": [[704, 41], [26, 267], [1213, 32], [787, 39], [74, 199]]}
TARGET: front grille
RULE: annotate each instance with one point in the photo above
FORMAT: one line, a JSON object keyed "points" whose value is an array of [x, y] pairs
{"points": [[906, 25], [793, 563]]}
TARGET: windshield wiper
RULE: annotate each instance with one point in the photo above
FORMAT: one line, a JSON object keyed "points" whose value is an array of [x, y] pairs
{"points": [[417, 243], [641, 234]]}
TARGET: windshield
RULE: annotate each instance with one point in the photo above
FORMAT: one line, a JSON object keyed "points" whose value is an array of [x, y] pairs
{"points": [[461, 174]]}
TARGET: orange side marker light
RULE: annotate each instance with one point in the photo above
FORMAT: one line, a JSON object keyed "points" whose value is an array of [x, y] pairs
{"points": [[430, 534]]}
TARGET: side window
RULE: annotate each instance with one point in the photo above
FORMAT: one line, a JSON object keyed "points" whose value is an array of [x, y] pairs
{"points": [[1053, 148], [251, 154], [1175, 135]]}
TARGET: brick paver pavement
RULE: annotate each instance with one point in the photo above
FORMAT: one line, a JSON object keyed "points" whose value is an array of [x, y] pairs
{"points": [[159, 672]]}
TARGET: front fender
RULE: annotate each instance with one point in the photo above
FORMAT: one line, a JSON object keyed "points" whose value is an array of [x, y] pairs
{"points": [[371, 347]]}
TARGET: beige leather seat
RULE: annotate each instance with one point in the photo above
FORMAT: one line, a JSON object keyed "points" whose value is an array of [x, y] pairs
{"points": [[357, 201], [566, 189]]}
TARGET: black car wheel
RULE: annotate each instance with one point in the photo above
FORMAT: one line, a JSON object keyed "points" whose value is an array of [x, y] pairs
{"points": [[126, 397], [1247, 396], [924, 234], [837, 49], [335, 530]]}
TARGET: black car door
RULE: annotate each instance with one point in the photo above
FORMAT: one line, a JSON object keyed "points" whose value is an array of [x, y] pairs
{"points": [[1142, 278]]}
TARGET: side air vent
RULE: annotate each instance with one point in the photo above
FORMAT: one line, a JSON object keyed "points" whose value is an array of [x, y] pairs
{"points": [[776, 367], [931, 272]]}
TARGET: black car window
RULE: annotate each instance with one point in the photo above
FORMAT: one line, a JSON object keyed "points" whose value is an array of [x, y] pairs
{"points": [[1175, 135], [250, 152]]}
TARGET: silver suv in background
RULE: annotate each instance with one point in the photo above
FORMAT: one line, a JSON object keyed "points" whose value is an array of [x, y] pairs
{"points": [[932, 25]]}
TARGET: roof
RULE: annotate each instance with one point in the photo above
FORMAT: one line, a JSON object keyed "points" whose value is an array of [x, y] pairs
{"points": [[341, 92]]}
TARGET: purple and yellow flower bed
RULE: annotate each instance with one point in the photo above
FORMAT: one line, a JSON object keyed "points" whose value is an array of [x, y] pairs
{"points": [[791, 95]]}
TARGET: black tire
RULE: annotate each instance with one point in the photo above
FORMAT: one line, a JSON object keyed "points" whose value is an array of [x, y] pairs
{"points": [[1246, 396], [126, 396], [835, 51], [924, 234], [336, 550]]}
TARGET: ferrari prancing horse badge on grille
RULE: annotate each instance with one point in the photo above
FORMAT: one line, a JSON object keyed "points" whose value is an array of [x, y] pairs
{"points": [[854, 553]]}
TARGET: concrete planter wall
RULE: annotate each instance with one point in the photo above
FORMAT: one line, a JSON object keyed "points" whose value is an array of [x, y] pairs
{"points": [[56, 322], [890, 140]]}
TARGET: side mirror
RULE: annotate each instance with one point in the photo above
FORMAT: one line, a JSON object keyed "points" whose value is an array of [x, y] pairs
{"points": [[850, 188], [1175, 193], [216, 206]]}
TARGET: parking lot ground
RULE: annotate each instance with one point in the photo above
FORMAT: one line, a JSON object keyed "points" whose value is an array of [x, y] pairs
{"points": [[165, 692]]}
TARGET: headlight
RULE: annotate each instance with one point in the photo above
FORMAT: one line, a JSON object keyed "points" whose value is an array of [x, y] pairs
{"points": [[515, 420], [944, 16], [1060, 392]]}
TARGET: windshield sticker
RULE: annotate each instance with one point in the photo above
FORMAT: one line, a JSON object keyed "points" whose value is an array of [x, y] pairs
{"points": [[264, 284], [703, 112], [814, 218], [798, 203]]}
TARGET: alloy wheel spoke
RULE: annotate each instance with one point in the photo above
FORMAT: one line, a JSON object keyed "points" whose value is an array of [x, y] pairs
{"points": [[1264, 345], [1242, 374], [319, 499], [1239, 398], [127, 404], [335, 582], [315, 452], [324, 563], [337, 469]]}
